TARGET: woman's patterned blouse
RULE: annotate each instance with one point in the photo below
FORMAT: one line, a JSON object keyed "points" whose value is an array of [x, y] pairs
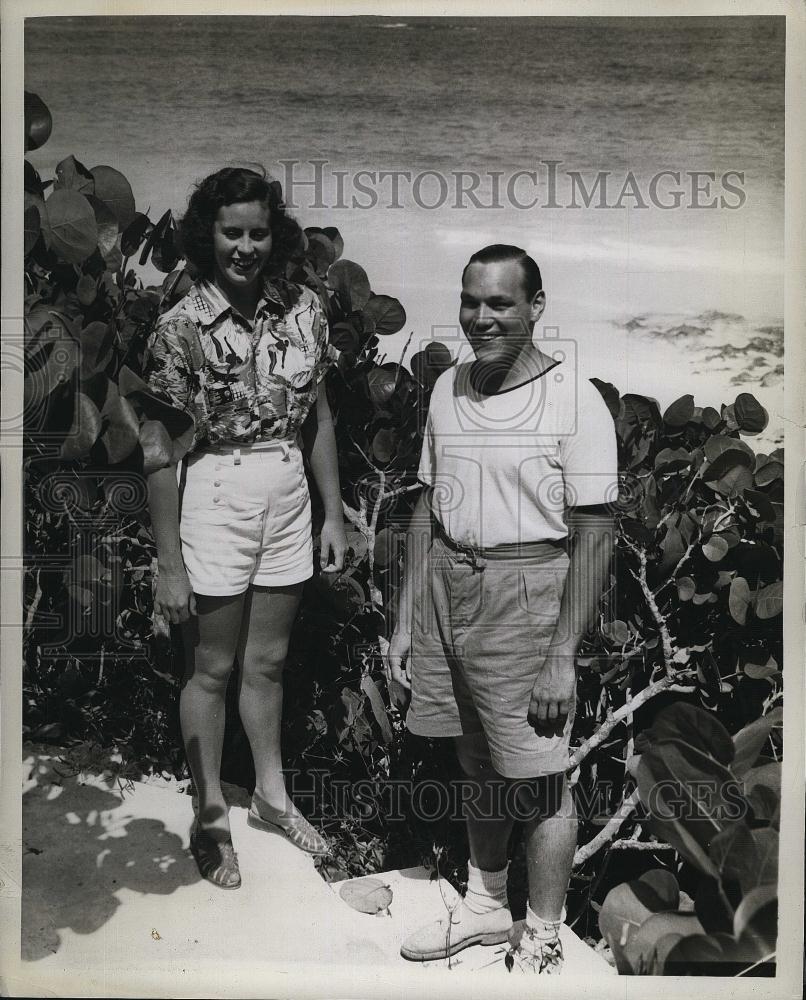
{"points": [[241, 382]]}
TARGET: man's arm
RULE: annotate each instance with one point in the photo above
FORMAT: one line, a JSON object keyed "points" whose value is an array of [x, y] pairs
{"points": [[418, 539], [591, 539]]}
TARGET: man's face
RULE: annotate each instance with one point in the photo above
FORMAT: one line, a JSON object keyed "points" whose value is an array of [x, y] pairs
{"points": [[495, 314]]}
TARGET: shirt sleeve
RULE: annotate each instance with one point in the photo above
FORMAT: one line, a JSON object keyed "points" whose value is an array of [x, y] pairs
{"points": [[169, 371], [326, 354], [588, 451]]}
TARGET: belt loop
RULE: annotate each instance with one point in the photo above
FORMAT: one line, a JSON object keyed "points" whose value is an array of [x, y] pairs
{"points": [[286, 451], [236, 456], [477, 562]]}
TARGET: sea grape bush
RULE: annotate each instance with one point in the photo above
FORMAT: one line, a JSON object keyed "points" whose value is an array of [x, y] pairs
{"points": [[692, 615], [727, 837]]}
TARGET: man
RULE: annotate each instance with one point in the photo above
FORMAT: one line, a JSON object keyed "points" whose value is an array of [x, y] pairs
{"points": [[519, 462]]}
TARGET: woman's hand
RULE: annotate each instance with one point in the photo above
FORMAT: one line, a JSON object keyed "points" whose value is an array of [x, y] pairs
{"points": [[333, 542], [173, 596]]}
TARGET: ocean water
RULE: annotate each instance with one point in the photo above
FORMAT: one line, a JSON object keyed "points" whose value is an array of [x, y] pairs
{"points": [[169, 99]]}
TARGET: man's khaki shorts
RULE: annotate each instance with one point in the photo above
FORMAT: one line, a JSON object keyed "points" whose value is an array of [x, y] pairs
{"points": [[480, 634]]}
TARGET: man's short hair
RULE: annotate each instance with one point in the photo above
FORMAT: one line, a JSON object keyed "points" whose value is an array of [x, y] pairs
{"points": [[502, 253]]}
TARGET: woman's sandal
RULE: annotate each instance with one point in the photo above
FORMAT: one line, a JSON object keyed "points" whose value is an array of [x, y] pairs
{"points": [[292, 823], [216, 859]]}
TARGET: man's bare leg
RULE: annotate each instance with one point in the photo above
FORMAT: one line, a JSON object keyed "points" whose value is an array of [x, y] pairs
{"points": [[550, 845], [488, 827]]}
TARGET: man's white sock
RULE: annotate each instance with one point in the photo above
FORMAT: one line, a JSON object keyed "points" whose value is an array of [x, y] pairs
{"points": [[486, 891], [541, 929]]}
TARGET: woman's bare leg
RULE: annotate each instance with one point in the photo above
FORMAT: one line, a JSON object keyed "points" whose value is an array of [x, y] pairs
{"points": [[269, 614], [210, 640]]}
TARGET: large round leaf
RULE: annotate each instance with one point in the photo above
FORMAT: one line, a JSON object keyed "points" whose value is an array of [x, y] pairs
{"points": [[344, 336], [438, 356], [739, 599], [720, 443], [388, 314], [680, 411], [157, 446], [715, 548], [321, 249], [711, 417], [84, 431], [750, 415], [367, 895], [629, 904], [730, 473], [617, 632], [123, 431], [115, 192], [427, 365], [335, 238], [382, 382], [350, 282], [97, 340], [384, 445], [769, 472], [770, 601], [107, 225], [72, 175], [38, 122], [759, 505], [71, 230], [672, 459], [86, 289], [644, 951]]}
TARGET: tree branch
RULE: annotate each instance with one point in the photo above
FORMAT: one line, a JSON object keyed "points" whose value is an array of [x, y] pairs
{"points": [[610, 723], [660, 621], [607, 833]]}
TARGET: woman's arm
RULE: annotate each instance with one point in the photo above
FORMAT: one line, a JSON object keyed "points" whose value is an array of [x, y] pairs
{"points": [[319, 440], [173, 596]]}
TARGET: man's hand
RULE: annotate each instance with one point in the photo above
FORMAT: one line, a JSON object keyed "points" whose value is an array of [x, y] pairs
{"points": [[398, 676], [553, 694]]}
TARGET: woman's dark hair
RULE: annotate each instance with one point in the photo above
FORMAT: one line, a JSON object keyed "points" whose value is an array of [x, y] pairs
{"points": [[229, 186], [502, 253]]}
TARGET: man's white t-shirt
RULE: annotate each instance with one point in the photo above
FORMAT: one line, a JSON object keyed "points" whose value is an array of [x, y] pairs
{"points": [[506, 467]]}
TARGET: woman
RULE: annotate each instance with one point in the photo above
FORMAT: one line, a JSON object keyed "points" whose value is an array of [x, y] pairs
{"points": [[243, 354]]}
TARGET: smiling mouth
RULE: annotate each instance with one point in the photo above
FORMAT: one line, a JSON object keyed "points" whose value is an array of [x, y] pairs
{"points": [[244, 265]]}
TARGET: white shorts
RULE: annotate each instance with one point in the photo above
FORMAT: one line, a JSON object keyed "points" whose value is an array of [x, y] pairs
{"points": [[245, 518]]}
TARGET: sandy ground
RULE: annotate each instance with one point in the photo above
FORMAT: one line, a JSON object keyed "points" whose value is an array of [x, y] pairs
{"points": [[112, 905]]}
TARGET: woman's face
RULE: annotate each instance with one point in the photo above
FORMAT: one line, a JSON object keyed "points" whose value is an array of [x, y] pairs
{"points": [[241, 244]]}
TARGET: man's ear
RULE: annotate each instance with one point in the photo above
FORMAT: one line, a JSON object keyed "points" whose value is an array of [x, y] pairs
{"points": [[538, 305]]}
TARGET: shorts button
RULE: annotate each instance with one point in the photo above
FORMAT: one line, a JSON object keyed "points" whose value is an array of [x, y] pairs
{"points": [[216, 499], [217, 482]]}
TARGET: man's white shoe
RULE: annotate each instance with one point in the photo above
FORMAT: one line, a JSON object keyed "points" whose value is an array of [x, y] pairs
{"points": [[453, 932]]}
